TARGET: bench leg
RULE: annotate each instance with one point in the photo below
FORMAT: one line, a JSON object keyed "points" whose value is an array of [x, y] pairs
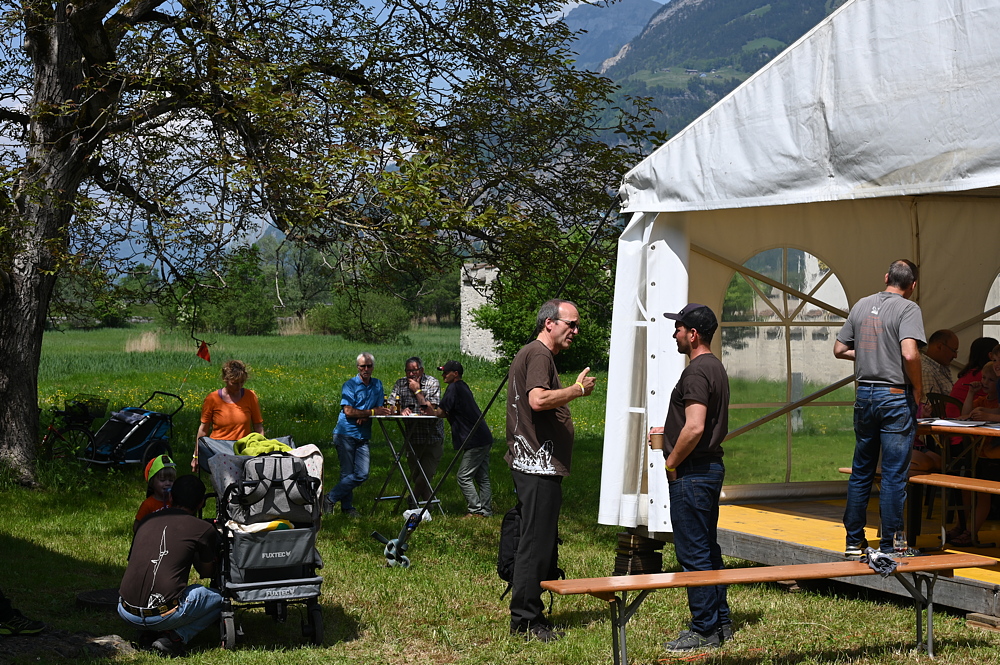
{"points": [[922, 601], [621, 612]]}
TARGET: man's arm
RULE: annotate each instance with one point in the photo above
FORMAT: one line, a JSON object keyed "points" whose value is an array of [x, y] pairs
{"points": [[695, 414], [842, 351], [205, 568], [911, 363], [545, 399]]}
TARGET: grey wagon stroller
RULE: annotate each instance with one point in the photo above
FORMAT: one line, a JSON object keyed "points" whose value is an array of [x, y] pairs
{"points": [[269, 511]]}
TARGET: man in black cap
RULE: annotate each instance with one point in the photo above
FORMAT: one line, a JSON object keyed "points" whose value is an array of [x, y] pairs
{"points": [[697, 422], [469, 428]]}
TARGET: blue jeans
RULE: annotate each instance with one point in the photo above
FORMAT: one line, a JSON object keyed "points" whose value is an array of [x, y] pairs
{"points": [[199, 608], [884, 422], [355, 460], [694, 514], [475, 468]]}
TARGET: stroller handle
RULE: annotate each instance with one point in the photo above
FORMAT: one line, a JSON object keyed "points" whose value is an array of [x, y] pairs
{"points": [[159, 392]]}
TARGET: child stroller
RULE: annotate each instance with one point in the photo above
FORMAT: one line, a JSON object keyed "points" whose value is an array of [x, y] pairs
{"points": [[133, 435], [268, 512]]}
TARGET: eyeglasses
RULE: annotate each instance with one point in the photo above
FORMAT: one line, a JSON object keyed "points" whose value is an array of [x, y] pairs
{"points": [[572, 325], [365, 366]]}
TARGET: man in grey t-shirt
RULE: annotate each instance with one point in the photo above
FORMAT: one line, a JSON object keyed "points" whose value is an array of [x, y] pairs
{"points": [[883, 335]]}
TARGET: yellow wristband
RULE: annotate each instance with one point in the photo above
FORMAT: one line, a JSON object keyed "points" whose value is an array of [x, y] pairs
{"points": [[582, 391], [669, 470], [373, 412], [419, 390]]}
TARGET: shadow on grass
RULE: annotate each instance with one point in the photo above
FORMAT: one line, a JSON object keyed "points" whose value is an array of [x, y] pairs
{"points": [[776, 656], [260, 632]]}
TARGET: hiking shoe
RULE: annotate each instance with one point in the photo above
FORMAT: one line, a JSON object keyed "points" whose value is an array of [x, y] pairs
{"points": [[20, 625], [541, 632], [856, 549], [690, 641], [725, 633], [169, 644], [328, 506], [351, 512]]}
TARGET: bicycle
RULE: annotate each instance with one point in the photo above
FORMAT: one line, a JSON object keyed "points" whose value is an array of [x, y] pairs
{"points": [[69, 435]]}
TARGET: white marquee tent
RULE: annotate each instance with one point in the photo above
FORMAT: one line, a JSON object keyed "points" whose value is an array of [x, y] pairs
{"points": [[874, 137]]}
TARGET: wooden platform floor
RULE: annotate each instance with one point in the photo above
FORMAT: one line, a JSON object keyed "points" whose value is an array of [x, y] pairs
{"points": [[793, 532]]}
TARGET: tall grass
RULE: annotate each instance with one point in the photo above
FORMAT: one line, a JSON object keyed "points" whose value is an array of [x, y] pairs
{"points": [[74, 535]]}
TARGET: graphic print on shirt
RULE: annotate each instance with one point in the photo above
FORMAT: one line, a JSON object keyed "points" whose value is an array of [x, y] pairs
{"points": [[156, 599], [527, 459]]}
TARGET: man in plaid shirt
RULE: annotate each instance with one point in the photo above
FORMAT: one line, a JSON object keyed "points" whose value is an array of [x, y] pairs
{"points": [[419, 393]]}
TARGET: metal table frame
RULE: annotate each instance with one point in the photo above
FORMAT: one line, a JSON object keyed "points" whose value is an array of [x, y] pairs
{"points": [[397, 455]]}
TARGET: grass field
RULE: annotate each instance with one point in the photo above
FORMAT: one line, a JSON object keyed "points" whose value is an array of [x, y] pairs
{"points": [[74, 534]]}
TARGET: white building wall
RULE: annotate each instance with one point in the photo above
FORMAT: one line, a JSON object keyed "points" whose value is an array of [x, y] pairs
{"points": [[475, 341]]}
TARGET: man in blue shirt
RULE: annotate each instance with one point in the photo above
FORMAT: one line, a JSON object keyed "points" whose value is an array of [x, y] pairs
{"points": [[360, 398]]}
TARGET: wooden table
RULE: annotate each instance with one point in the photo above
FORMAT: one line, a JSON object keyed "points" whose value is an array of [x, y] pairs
{"points": [[952, 477]]}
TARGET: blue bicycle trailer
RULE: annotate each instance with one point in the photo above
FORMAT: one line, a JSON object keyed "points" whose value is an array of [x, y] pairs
{"points": [[134, 435]]}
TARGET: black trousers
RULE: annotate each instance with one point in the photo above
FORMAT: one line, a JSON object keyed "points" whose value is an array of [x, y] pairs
{"points": [[541, 500]]}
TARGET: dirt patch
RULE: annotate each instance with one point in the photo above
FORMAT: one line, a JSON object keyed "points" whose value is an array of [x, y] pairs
{"points": [[60, 645]]}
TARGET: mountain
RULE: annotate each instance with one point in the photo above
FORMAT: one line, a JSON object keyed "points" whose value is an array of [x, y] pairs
{"points": [[607, 28], [693, 52]]}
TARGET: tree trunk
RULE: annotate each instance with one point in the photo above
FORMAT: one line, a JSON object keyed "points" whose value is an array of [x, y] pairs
{"points": [[39, 223]]}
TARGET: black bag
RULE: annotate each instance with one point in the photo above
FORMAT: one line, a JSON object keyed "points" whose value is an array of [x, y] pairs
{"points": [[510, 536]]}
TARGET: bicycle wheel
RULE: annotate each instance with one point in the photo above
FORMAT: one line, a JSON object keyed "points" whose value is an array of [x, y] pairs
{"points": [[75, 442]]}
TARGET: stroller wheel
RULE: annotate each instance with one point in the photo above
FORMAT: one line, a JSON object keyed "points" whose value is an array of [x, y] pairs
{"points": [[228, 628], [314, 628], [316, 623], [154, 449]]}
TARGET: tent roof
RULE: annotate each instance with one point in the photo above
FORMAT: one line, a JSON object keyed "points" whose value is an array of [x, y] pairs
{"points": [[882, 98]]}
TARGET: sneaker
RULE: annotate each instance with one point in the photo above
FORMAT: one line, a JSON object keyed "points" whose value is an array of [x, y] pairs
{"points": [[690, 641], [169, 644], [725, 633], [20, 625], [328, 506], [540, 632], [351, 512], [856, 549], [425, 516]]}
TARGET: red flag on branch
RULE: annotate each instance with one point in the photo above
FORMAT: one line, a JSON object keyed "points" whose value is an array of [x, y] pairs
{"points": [[203, 352]]}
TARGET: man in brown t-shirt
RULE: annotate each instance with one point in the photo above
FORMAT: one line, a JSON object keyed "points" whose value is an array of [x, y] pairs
{"points": [[155, 595], [696, 425], [539, 449]]}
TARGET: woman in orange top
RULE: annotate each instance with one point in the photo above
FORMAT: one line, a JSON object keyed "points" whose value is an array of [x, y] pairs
{"points": [[229, 413]]}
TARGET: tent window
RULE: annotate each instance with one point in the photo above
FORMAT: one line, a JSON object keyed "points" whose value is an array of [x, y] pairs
{"points": [[797, 300]]}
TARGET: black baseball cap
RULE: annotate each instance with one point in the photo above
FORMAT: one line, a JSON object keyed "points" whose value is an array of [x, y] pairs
{"points": [[451, 366], [696, 316]]}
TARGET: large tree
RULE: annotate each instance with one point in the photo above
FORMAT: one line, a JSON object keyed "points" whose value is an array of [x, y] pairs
{"points": [[159, 132]]}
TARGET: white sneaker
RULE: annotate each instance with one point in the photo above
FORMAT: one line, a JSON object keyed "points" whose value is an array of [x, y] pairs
{"points": [[412, 511]]}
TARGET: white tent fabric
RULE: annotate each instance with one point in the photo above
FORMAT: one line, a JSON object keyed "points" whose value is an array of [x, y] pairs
{"points": [[833, 117], [874, 137]]}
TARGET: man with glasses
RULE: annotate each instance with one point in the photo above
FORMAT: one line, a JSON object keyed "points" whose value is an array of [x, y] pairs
{"points": [[418, 393], [360, 398], [935, 365], [539, 449]]}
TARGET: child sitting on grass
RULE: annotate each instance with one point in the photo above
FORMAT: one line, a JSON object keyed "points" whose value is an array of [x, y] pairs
{"points": [[161, 472]]}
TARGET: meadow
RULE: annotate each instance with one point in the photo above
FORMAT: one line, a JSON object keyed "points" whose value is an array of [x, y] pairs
{"points": [[73, 534]]}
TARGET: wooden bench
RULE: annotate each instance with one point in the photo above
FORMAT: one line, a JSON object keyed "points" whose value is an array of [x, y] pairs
{"points": [[924, 571], [945, 481]]}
